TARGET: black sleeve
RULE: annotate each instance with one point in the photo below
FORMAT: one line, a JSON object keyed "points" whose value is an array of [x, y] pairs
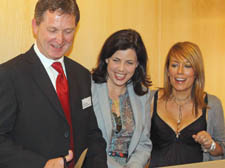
{"points": [[12, 155]]}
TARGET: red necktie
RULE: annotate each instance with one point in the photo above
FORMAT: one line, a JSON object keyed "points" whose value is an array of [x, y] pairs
{"points": [[63, 95]]}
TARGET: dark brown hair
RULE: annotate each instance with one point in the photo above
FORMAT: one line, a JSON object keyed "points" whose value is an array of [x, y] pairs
{"points": [[122, 40], [64, 6]]}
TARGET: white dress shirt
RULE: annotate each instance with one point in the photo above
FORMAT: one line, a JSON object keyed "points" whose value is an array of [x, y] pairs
{"points": [[52, 73]]}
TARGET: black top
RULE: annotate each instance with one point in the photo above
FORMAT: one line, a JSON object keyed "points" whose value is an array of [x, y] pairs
{"points": [[169, 150]]}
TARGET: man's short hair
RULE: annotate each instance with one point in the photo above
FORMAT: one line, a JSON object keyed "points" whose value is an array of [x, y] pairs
{"points": [[64, 6]]}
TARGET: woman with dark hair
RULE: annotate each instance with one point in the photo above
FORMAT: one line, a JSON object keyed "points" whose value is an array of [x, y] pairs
{"points": [[187, 123], [121, 99]]}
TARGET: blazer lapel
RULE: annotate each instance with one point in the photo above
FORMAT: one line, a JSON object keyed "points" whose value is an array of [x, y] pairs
{"points": [[105, 108], [42, 79], [136, 107], [73, 82]]}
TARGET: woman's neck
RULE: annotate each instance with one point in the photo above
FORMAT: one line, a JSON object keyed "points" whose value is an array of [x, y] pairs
{"points": [[115, 91], [181, 97]]}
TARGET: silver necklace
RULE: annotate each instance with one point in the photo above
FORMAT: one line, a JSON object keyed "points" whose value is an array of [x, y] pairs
{"points": [[186, 99]]}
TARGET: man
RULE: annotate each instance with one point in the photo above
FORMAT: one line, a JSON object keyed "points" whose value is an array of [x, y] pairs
{"points": [[39, 127]]}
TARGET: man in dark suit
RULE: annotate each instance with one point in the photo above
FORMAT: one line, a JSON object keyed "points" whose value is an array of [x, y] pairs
{"points": [[35, 130]]}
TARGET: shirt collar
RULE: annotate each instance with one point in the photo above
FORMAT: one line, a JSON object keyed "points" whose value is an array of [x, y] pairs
{"points": [[46, 61]]}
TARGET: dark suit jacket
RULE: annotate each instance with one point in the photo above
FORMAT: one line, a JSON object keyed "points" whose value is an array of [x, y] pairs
{"points": [[33, 128]]}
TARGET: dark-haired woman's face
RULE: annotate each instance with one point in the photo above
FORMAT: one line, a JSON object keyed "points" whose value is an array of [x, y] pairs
{"points": [[121, 67]]}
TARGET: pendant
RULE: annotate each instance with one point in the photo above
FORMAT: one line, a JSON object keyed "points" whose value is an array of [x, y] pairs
{"points": [[177, 135]]}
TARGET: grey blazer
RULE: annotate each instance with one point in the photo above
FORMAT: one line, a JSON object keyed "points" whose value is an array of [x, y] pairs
{"points": [[140, 146], [215, 125]]}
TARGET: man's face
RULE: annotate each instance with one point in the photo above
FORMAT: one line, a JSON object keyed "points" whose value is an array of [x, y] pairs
{"points": [[55, 34]]}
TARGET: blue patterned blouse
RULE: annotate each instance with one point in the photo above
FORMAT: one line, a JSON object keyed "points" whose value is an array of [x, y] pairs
{"points": [[121, 136]]}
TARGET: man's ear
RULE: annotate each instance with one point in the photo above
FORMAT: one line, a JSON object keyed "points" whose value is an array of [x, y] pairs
{"points": [[34, 26]]}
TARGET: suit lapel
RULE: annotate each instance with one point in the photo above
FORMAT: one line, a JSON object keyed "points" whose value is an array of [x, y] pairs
{"points": [[105, 108], [42, 79], [74, 91], [136, 107]]}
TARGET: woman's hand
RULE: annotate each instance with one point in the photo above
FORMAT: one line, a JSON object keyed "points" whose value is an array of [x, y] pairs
{"points": [[208, 144], [203, 138]]}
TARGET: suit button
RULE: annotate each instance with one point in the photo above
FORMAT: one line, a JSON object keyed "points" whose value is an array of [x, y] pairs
{"points": [[66, 134]]}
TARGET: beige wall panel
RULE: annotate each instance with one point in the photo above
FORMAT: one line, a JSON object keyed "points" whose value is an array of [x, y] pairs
{"points": [[160, 22], [93, 28], [141, 15], [15, 31]]}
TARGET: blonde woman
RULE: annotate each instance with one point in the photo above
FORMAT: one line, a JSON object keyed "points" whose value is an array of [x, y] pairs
{"points": [[187, 122]]}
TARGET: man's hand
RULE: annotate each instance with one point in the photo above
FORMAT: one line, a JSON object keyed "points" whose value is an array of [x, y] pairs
{"points": [[59, 162]]}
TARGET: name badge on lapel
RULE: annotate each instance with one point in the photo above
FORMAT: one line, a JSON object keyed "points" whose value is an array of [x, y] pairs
{"points": [[86, 102]]}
